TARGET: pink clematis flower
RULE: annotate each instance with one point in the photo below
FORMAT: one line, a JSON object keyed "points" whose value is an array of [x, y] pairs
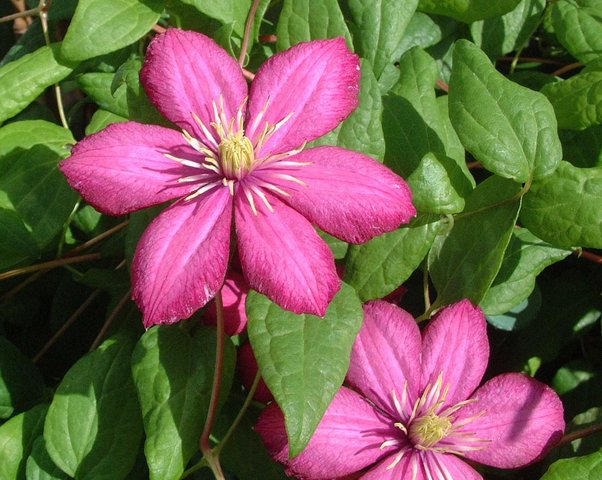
{"points": [[240, 159], [415, 413]]}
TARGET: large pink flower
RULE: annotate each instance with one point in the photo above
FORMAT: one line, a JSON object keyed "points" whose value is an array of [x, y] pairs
{"points": [[415, 413], [239, 157]]}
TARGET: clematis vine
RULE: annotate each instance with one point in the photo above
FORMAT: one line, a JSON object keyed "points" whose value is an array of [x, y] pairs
{"points": [[239, 157], [415, 411]]}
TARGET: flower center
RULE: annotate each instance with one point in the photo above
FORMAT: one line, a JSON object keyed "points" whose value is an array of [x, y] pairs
{"points": [[429, 429], [236, 155]]}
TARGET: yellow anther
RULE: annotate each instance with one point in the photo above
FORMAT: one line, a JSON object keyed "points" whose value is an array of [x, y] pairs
{"points": [[429, 429], [236, 155]]}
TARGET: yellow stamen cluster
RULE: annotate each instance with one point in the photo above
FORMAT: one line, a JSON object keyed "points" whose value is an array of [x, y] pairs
{"points": [[429, 429], [236, 154]]}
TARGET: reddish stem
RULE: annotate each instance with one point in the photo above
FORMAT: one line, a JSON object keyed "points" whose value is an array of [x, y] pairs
{"points": [[204, 444], [567, 68], [442, 85], [247, 35], [47, 265], [592, 257], [570, 437]]}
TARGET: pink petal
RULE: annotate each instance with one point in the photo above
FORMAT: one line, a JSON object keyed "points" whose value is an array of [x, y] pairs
{"points": [[347, 439], [185, 72], [455, 344], [181, 259], [348, 194], [283, 257], [246, 365], [318, 82], [234, 298], [521, 418], [422, 466], [123, 168], [386, 355]]}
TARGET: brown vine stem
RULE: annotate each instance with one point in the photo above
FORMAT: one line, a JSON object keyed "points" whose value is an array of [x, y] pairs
{"points": [[26, 13], [248, 31], [70, 321], [585, 432], [98, 238], [567, 68], [51, 264], [93, 241], [110, 319], [209, 455]]}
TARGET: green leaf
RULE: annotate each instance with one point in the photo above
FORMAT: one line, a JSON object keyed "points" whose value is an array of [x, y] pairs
{"points": [[578, 26], [23, 80], [103, 26], [379, 266], [303, 358], [16, 441], [413, 123], [362, 131], [464, 263], [565, 208], [101, 119], [17, 245], [93, 426], [29, 42], [233, 12], [98, 87], [40, 466], [30, 183], [438, 185], [519, 316], [467, 11], [577, 101], [501, 35], [584, 148], [173, 372], [139, 106], [588, 467], [510, 129], [570, 307], [304, 20], [525, 258], [378, 27], [138, 223], [21, 384]]}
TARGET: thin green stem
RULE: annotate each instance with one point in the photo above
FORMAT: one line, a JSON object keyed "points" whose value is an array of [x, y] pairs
{"points": [[425, 288], [194, 468], [59, 250], [512, 199], [243, 410], [248, 31], [43, 7], [212, 457]]}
